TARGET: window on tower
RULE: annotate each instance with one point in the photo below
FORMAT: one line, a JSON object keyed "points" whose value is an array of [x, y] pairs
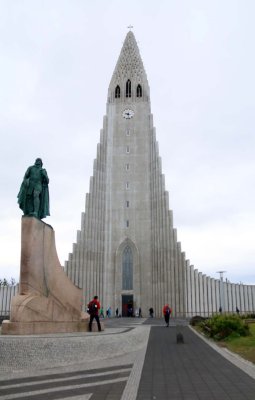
{"points": [[139, 91], [117, 92], [128, 88], [127, 269]]}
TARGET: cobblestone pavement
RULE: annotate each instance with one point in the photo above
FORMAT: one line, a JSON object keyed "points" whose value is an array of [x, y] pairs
{"points": [[132, 359], [74, 366]]}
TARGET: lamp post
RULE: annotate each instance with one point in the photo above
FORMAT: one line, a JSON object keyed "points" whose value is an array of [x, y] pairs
{"points": [[222, 296]]}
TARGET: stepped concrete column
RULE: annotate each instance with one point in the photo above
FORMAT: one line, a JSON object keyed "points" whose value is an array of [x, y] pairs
{"points": [[47, 301]]}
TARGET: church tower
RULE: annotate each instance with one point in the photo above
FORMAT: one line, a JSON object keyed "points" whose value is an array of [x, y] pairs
{"points": [[127, 251]]}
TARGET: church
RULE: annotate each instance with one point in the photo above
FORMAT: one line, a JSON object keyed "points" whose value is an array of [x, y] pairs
{"points": [[126, 250]]}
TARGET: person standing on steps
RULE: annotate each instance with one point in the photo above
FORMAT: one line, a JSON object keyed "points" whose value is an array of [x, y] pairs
{"points": [[93, 308]]}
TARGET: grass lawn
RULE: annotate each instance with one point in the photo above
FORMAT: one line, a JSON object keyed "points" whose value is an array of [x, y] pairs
{"points": [[244, 345]]}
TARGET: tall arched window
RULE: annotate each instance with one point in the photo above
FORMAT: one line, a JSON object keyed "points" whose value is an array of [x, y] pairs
{"points": [[128, 88], [139, 91], [117, 92], [127, 269]]}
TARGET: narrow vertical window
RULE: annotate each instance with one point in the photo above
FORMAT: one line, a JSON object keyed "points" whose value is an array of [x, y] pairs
{"points": [[127, 167], [127, 223], [128, 132], [127, 203], [117, 92], [127, 269], [128, 88], [127, 185], [127, 149], [139, 91]]}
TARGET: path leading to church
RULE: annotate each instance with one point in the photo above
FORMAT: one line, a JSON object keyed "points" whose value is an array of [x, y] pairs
{"points": [[189, 371], [132, 359]]}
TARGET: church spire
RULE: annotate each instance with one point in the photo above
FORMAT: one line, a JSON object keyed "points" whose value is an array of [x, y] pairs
{"points": [[129, 67]]}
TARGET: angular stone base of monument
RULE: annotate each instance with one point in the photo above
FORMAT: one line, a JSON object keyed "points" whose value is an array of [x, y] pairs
{"points": [[48, 327], [48, 302], [37, 328], [33, 307], [95, 327]]}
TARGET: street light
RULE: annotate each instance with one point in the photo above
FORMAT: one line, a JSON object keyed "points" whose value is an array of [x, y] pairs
{"points": [[222, 297]]}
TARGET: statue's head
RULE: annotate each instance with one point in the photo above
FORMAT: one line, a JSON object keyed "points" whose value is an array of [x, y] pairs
{"points": [[38, 161]]}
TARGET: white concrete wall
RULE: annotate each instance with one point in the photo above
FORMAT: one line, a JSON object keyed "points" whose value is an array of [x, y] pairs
{"points": [[6, 293], [204, 297]]}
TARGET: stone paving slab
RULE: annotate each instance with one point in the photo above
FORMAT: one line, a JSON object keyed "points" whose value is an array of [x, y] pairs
{"points": [[245, 365], [189, 371]]}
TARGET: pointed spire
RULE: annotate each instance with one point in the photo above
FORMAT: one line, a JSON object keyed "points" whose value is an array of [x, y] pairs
{"points": [[129, 64]]}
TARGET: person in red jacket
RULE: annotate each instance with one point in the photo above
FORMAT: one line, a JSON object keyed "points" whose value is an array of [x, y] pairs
{"points": [[93, 309], [167, 313]]}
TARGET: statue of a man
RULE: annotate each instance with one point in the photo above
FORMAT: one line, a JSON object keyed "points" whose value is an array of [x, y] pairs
{"points": [[33, 197]]}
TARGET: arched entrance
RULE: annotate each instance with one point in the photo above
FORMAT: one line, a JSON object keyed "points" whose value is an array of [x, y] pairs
{"points": [[127, 278], [127, 305]]}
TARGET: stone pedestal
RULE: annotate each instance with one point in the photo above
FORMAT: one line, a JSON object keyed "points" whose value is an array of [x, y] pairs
{"points": [[48, 302]]}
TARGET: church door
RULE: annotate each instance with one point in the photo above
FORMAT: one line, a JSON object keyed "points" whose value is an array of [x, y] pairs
{"points": [[127, 305]]}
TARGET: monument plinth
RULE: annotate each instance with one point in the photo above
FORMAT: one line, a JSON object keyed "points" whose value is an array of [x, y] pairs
{"points": [[48, 302]]}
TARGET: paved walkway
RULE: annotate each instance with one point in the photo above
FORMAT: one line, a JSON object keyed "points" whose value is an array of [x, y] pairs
{"points": [[191, 371], [133, 359]]}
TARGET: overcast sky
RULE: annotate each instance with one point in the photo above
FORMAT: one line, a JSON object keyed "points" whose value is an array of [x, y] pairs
{"points": [[56, 61]]}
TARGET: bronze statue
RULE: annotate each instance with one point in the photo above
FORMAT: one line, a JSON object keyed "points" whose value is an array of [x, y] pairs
{"points": [[33, 197]]}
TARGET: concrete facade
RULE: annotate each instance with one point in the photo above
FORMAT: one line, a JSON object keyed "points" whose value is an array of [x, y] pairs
{"points": [[127, 250]]}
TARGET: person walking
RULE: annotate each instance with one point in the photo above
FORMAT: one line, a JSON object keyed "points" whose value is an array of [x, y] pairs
{"points": [[94, 307], [167, 313]]}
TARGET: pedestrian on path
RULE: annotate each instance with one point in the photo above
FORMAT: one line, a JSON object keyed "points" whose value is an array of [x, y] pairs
{"points": [[94, 307], [151, 311], [167, 314]]}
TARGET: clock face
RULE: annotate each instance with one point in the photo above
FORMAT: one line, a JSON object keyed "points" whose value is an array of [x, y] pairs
{"points": [[128, 114]]}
